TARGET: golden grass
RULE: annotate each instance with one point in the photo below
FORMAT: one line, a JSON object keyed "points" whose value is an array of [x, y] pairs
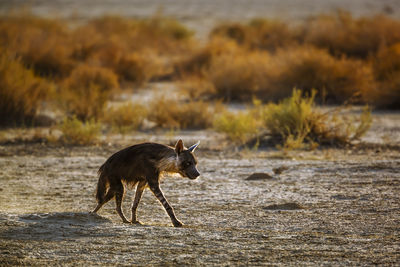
{"points": [[258, 34], [86, 91], [356, 37], [42, 44], [386, 67], [241, 75], [308, 68], [301, 124], [21, 92], [294, 123], [198, 62]]}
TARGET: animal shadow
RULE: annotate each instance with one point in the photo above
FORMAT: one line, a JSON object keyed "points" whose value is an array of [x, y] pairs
{"points": [[54, 226]]}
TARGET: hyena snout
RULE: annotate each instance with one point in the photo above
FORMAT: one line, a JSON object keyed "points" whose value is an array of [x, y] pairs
{"points": [[192, 173]]}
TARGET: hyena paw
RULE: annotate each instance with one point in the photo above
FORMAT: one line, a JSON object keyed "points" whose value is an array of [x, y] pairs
{"points": [[177, 223], [136, 222]]}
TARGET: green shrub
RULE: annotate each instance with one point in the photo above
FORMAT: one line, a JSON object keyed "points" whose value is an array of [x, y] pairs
{"points": [[76, 132]]}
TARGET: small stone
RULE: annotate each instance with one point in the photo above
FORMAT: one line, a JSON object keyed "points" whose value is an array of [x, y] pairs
{"points": [[280, 169], [285, 206], [259, 176]]}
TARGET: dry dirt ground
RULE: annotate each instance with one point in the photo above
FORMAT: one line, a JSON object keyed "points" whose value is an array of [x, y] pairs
{"points": [[326, 207]]}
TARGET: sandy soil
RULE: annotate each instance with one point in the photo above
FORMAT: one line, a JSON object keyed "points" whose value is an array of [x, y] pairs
{"points": [[331, 206]]}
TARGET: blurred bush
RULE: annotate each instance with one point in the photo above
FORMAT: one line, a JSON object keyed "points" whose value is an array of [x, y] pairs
{"points": [[259, 34], [386, 67], [21, 92], [243, 74], [172, 114], [354, 37], [307, 68], [42, 44], [86, 90]]}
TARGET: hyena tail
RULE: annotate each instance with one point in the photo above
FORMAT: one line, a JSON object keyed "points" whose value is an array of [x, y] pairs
{"points": [[102, 185]]}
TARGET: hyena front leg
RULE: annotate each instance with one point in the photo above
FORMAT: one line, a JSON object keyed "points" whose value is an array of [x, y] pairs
{"points": [[138, 195], [155, 188]]}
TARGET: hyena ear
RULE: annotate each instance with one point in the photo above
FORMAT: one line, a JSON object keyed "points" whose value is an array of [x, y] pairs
{"points": [[193, 147], [179, 146]]}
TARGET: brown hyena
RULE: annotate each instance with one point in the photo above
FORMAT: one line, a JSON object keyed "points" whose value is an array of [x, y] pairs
{"points": [[142, 164]]}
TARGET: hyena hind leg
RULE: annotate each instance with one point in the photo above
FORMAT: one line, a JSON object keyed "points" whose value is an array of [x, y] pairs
{"points": [[119, 194]]}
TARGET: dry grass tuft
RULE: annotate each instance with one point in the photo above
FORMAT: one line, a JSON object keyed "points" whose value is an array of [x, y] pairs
{"points": [[301, 124], [76, 132], [125, 118]]}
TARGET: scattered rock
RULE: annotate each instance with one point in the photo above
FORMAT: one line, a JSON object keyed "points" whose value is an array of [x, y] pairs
{"points": [[285, 206], [280, 169], [259, 176], [343, 197]]}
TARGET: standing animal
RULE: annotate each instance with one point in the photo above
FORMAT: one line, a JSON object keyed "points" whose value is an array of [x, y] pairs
{"points": [[142, 164]]}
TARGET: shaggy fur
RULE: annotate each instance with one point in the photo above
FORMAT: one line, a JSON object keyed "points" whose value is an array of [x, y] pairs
{"points": [[142, 164]]}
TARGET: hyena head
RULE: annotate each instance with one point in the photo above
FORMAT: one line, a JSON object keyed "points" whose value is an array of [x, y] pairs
{"points": [[186, 161]]}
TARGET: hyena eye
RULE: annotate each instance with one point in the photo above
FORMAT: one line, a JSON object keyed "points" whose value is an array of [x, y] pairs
{"points": [[187, 164]]}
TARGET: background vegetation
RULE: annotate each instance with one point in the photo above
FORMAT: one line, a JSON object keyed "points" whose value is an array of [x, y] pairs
{"points": [[79, 69]]}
